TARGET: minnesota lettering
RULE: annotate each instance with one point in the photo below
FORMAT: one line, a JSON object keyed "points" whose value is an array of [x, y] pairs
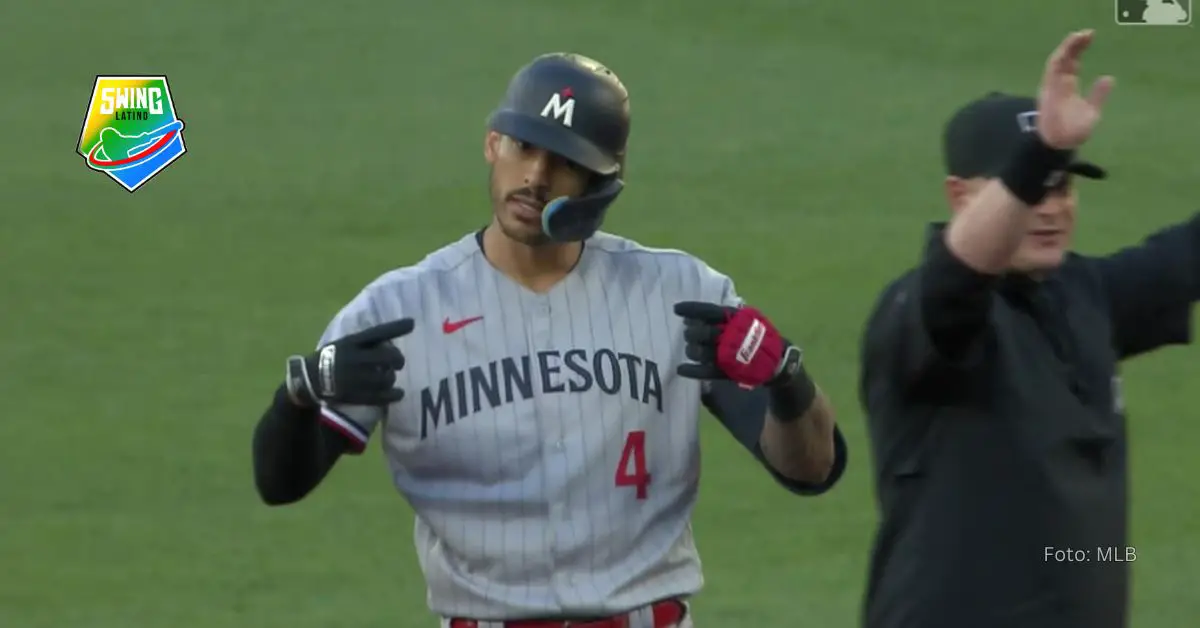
{"points": [[546, 373]]}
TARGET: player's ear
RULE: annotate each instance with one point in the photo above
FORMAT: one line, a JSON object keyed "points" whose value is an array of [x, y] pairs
{"points": [[491, 146], [958, 192]]}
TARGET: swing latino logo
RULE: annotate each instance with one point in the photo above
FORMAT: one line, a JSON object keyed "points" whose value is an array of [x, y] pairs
{"points": [[130, 131]]}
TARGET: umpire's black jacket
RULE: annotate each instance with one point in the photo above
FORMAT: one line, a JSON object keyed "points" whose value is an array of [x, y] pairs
{"points": [[999, 437]]}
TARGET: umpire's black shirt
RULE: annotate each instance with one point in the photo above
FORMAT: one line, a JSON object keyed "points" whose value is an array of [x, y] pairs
{"points": [[998, 434]]}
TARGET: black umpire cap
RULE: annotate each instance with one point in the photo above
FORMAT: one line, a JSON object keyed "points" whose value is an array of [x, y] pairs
{"points": [[982, 135]]}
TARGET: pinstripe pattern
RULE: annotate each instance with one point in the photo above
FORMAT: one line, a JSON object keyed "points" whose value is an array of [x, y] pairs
{"points": [[508, 441]]}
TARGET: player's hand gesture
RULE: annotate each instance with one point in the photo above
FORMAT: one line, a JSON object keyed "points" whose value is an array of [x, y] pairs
{"points": [[1065, 117], [359, 369], [734, 343]]}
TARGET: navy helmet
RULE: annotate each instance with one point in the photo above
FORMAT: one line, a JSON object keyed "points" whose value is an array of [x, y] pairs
{"points": [[574, 107]]}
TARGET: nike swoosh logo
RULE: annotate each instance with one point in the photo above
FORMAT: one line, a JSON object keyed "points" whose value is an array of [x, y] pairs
{"points": [[449, 327]]}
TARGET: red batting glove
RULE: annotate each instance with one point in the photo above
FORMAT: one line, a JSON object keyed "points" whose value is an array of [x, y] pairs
{"points": [[739, 344], [749, 349]]}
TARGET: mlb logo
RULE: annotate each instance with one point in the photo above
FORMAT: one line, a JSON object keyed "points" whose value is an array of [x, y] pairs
{"points": [[1154, 12]]}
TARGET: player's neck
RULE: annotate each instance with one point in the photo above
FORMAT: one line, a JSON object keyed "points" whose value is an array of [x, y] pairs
{"points": [[538, 268]]}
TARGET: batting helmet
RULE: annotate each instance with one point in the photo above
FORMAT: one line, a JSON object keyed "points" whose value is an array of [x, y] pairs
{"points": [[572, 106]]}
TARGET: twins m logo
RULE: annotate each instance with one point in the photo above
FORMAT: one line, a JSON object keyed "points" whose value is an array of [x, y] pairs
{"points": [[560, 109]]}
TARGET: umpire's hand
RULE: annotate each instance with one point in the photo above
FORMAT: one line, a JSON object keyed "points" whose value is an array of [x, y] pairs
{"points": [[1066, 118], [359, 369]]}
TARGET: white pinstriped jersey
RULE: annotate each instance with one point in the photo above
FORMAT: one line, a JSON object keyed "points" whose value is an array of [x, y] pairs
{"points": [[545, 442]]}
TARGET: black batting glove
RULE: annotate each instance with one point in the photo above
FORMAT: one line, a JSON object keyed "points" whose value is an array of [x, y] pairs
{"points": [[359, 369]]}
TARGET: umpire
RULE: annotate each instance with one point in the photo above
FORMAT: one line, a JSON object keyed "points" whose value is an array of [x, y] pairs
{"points": [[989, 376]]}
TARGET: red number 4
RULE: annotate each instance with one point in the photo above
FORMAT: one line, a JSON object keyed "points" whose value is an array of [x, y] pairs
{"points": [[634, 454]]}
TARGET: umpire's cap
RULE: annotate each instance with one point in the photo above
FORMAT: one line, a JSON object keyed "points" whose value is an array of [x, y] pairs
{"points": [[982, 135], [575, 107]]}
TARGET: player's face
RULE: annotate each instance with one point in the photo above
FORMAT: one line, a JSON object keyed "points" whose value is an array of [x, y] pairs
{"points": [[1048, 229], [524, 177]]}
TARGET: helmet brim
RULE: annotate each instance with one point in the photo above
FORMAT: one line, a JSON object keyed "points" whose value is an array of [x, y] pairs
{"points": [[555, 138], [1087, 169]]}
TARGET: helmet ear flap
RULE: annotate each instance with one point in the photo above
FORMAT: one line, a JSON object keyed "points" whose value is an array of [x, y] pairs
{"points": [[574, 219]]}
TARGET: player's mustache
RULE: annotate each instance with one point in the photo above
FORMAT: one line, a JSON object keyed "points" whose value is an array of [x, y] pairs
{"points": [[540, 196]]}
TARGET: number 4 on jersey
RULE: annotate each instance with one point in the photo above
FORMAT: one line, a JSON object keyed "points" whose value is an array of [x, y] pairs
{"points": [[631, 470]]}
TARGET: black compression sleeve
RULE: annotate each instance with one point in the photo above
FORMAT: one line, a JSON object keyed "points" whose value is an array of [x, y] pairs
{"points": [[955, 299], [292, 453], [743, 413]]}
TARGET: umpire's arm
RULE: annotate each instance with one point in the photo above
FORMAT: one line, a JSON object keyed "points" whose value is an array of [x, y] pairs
{"points": [[1151, 288], [938, 318], [809, 455]]}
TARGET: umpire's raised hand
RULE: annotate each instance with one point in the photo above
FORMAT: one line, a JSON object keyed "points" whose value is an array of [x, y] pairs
{"points": [[1066, 118], [359, 369]]}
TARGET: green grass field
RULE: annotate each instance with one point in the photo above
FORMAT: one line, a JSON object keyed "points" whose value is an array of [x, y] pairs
{"points": [[792, 144]]}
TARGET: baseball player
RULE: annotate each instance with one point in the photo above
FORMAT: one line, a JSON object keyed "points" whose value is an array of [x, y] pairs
{"points": [[536, 386]]}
